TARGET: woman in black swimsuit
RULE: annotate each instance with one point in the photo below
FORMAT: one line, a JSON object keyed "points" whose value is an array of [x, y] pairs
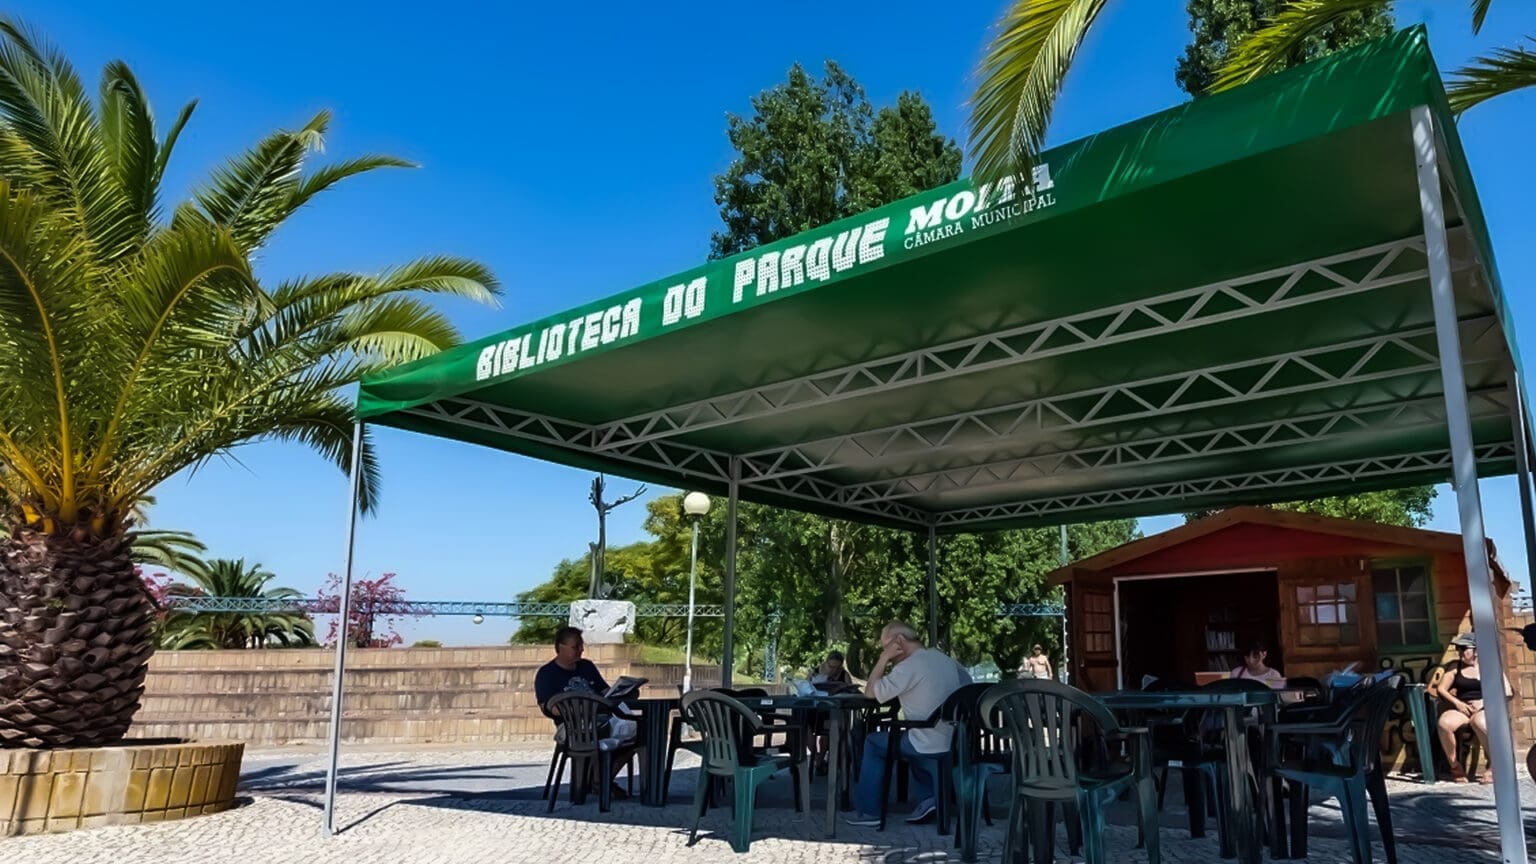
{"points": [[1462, 688]]}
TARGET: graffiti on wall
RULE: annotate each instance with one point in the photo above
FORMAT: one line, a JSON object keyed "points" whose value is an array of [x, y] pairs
{"points": [[1400, 741]]}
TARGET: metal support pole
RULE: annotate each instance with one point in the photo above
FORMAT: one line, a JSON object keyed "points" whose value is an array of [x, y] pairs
{"points": [[728, 643], [1523, 473], [933, 587], [1065, 560], [343, 632], [1501, 745], [693, 571]]}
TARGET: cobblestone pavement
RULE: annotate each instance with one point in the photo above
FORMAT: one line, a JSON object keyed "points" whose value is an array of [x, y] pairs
{"points": [[462, 807]]}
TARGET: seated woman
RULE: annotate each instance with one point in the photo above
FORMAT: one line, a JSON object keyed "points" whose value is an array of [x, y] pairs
{"points": [[832, 671], [831, 678], [1254, 668], [1460, 686]]}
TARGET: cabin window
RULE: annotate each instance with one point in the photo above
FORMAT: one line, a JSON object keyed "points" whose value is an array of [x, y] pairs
{"points": [[1402, 605], [1329, 614]]}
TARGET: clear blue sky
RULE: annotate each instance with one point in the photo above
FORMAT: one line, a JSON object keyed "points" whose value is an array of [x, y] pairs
{"points": [[572, 148]]}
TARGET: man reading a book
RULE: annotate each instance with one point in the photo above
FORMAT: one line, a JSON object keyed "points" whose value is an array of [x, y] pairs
{"points": [[569, 672]]}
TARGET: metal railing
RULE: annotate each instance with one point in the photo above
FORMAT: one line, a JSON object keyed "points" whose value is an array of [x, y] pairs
{"points": [[423, 608]]}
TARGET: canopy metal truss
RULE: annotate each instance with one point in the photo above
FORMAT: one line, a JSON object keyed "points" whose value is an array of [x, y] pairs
{"points": [[1174, 312]]}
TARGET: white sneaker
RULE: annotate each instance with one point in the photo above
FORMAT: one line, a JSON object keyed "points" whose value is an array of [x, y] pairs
{"points": [[924, 809], [860, 820]]}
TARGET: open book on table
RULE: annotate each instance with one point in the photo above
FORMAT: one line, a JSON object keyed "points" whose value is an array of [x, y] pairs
{"points": [[624, 688]]}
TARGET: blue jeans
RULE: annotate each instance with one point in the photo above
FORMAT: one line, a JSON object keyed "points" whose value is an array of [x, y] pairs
{"points": [[866, 796]]}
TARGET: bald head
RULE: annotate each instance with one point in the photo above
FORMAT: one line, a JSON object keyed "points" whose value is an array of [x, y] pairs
{"points": [[900, 639]]}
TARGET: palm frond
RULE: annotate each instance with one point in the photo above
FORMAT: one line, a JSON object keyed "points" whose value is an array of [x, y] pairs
{"points": [[1274, 45], [1018, 79], [163, 156], [1503, 71], [45, 106], [327, 176], [394, 331], [128, 134], [248, 195], [43, 272], [1479, 14], [177, 551], [193, 289]]}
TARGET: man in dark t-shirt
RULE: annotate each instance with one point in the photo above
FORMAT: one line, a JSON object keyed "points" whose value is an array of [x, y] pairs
{"points": [[567, 673]]}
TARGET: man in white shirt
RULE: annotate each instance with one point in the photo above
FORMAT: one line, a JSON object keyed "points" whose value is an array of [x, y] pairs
{"points": [[922, 679]]}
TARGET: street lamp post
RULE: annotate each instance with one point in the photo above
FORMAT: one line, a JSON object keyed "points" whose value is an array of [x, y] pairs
{"points": [[695, 504]]}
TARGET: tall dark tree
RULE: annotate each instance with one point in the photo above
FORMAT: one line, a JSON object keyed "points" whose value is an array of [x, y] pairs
{"points": [[1217, 25]]}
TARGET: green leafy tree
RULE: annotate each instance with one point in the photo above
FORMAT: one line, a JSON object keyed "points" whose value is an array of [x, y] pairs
{"points": [[1409, 507], [649, 572], [139, 343], [1025, 64], [1217, 25], [225, 578], [569, 583], [814, 151]]}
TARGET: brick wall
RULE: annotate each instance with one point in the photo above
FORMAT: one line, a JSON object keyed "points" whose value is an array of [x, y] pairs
{"points": [[1521, 664], [393, 695]]}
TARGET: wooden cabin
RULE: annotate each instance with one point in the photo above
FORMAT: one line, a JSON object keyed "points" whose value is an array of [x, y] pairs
{"points": [[1321, 592]]}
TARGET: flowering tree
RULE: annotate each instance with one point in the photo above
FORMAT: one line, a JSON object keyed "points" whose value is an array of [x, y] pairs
{"points": [[157, 586], [376, 610]]}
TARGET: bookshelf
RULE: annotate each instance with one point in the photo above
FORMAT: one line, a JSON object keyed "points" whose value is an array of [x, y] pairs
{"points": [[1221, 650]]}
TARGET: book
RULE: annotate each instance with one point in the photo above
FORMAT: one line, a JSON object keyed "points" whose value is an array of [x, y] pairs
{"points": [[625, 687]]}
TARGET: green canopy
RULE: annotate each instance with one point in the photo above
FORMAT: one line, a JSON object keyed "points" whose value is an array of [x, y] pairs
{"points": [[1223, 303]]}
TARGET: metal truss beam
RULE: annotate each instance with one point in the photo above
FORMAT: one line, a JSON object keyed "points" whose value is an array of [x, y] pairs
{"points": [[1177, 311], [670, 456], [1302, 429], [423, 608], [1376, 358], [1175, 492], [696, 462]]}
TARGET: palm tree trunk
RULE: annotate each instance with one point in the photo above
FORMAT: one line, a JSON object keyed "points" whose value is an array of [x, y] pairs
{"points": [[75, 639]]}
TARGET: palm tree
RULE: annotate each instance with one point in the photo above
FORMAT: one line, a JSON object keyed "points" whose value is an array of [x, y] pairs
{"points": [[226, 578], [138, 344], [1022, 70]]}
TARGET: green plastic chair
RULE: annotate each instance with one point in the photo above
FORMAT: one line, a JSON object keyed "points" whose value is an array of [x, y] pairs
{"points": [[1053, 763], [1340, 756], [727, 727], [978, 755], [584, 717]]}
